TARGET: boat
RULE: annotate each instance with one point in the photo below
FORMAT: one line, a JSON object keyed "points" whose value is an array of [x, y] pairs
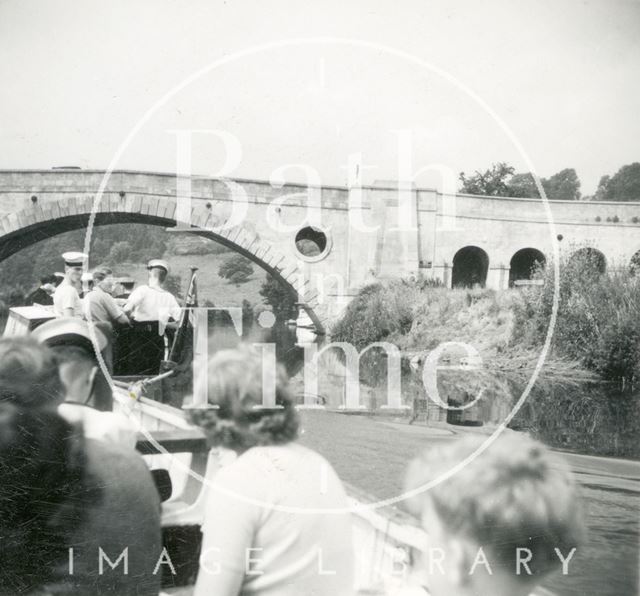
{"points": [[386, 540]]}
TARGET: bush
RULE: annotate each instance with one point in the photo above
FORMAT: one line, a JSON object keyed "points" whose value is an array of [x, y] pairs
{"points": [[236, 268], [377, 312], [598, 322], [119, 253], [173, 284], [279, 297]]}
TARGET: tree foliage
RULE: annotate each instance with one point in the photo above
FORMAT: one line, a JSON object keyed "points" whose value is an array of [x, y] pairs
{"points": [[563, 186], [500, 180], [236, 268], [522, 186], [597, 323], [624, 185], [281, 299], [491, 182]]}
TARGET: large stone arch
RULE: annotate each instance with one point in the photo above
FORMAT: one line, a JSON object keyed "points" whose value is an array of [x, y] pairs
{"points": [[41, 221], [470, 267]]}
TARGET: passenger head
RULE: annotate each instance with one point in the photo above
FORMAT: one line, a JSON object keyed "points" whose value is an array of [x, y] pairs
{"points": [[29, 374], [70, 340], [158, 270], [514, 495], [158, 274], [73, 273], [103, 278], [43, 471], [239, 421]]}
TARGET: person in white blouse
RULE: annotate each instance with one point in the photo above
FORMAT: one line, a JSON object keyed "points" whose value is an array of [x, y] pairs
{"points": [[276, 519]]}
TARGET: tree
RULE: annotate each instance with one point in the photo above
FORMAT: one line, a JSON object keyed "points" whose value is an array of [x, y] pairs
{"points": [[624, 185], [120, 252], [563, 186], [281, 299], [523, 186], [236, 268], [491, 182], [603, 188], [173, 284]]}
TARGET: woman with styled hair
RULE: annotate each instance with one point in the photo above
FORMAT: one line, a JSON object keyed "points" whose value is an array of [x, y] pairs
{"points": [[276, 520]]}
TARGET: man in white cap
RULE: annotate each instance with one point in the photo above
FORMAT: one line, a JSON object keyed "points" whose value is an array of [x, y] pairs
{"points": [[66, 299], [83, 381], [150, 308]]}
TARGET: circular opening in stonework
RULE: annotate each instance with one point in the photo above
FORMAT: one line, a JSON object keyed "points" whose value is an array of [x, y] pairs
{"points": [[312, 244]]}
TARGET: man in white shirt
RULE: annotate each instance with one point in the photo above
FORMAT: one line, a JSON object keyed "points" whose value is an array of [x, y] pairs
{"points": [[66, 300], [150, 308]]}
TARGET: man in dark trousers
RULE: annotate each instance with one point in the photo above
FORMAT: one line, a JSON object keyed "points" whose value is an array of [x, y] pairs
{"points": [[150, 308]]}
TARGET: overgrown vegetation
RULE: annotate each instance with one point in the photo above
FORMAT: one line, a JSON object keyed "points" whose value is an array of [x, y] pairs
{"points": [[598, 322], [236, 269], [279, 297], [587, 396]]}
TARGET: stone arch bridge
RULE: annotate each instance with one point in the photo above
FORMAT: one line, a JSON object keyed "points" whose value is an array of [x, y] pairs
{"points": [[326, 243]]}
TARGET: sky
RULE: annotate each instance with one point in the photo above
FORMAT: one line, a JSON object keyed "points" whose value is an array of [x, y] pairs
{"points": [[439, 85]]}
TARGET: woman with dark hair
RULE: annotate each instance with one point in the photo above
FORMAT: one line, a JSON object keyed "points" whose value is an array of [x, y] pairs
{"points": [[44, 475], [276, 520], [69, 505]]}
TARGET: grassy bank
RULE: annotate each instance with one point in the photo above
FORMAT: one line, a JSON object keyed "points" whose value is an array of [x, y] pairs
{"points": [[587, 396], [419, 318]]}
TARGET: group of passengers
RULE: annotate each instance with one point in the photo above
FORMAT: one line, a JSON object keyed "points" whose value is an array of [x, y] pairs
{"points": [[80, 514], [139, 319]]}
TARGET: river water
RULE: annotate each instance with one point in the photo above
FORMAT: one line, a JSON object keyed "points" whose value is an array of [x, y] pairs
{"points": [[585, 421]]}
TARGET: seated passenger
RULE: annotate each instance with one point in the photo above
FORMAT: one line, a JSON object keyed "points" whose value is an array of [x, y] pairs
{"points": [[101, 308], [66, 504], [66, 377], [500, 524], [276, 520]]}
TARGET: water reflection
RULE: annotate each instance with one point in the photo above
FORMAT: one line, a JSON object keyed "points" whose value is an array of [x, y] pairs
{"points": [[584, 416]]}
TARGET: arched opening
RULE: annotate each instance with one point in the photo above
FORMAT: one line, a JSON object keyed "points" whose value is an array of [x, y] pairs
{"points": [[589, 260], [524, 263], [51, 223], [470, 267], [634, 264]]}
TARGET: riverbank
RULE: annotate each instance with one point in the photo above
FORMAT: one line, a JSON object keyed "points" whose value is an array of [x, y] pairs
{"points": [[492, 343]]}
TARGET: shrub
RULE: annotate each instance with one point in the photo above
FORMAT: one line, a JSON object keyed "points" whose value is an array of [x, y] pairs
{"points": [[173, 284], [598, 322], [377, 312], [236, 268], [598, 218], [120, 252], [279, 297], [615, 219]]}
